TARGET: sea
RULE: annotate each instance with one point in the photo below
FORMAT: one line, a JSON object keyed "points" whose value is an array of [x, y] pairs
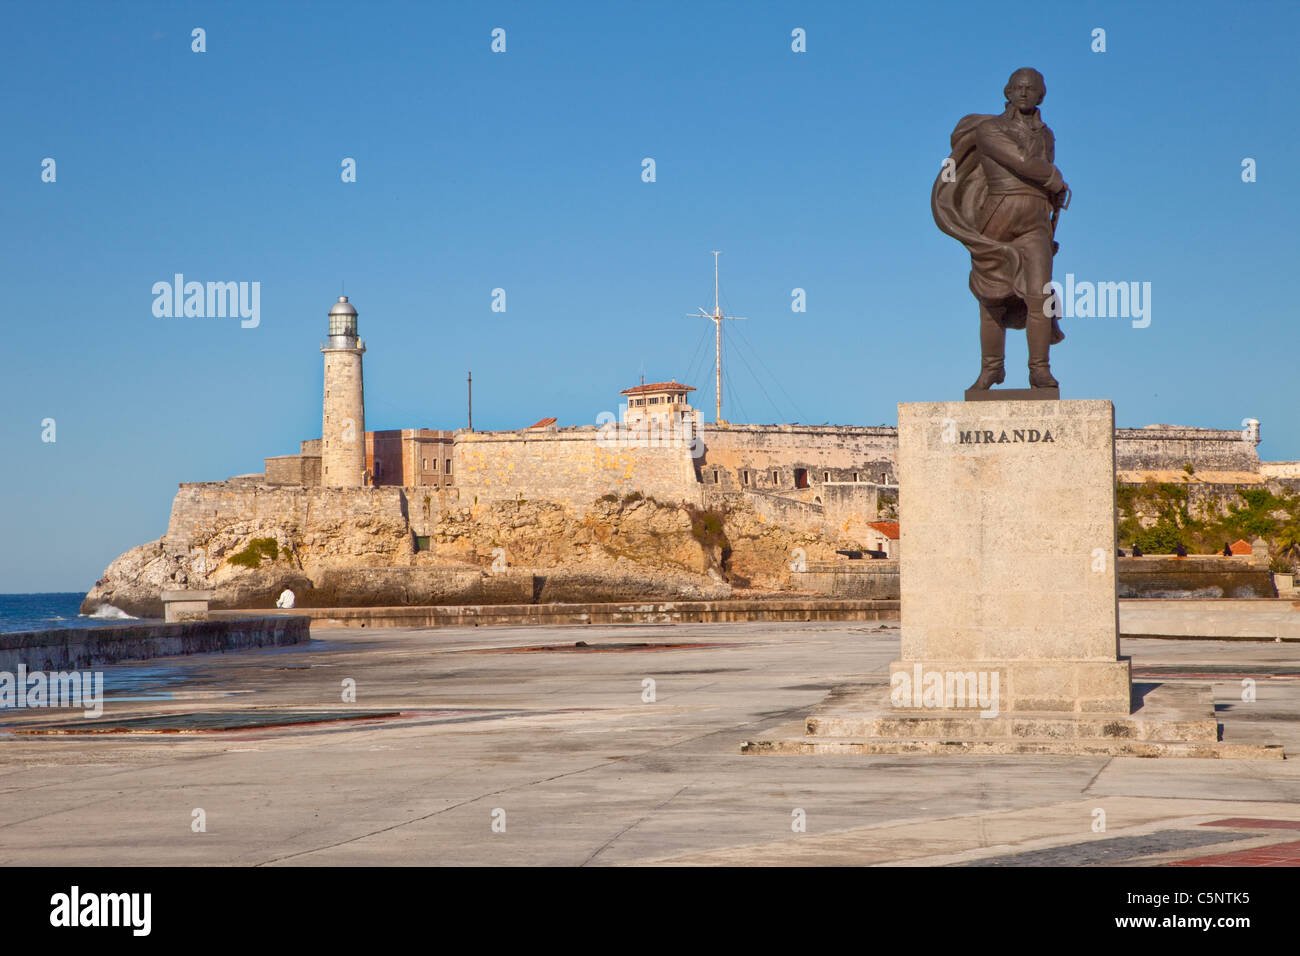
{"points": [[43, 612]]}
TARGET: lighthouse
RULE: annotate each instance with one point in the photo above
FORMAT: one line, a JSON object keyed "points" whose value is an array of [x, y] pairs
{"points": [[343, 427]]}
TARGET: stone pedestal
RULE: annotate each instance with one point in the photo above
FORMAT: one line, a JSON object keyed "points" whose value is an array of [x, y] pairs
{"points": [[1008, 556], [186, 605], [1010, 633]]}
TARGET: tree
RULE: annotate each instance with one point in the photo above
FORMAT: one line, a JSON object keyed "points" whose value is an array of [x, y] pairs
{"points": [[1287, 543]]}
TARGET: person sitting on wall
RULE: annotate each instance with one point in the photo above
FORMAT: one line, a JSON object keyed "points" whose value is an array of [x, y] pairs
{"points": [[1180, 550], [1227, 550], [1137, 552]]}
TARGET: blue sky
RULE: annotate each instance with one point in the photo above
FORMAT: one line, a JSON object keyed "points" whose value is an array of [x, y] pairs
{"points": [[522, 171]]}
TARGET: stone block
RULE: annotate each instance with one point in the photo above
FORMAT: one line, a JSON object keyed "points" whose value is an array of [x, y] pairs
{"points": [[185, 605], [1020, 496]]}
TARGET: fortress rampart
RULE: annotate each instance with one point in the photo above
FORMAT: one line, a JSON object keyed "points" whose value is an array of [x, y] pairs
{"points": [[1163, 448], [787, 458], [815, 465], [572, 467]]}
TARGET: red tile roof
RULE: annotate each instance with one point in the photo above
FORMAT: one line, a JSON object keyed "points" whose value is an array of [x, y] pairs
{"points": [[544, 423], [658, 387], [1241, 547], [888, 528]]}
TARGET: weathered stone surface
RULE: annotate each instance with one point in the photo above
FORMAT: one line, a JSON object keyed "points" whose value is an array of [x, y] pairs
{"points": [[1008, 551], [134, 582], [84, 647], [863, 578], [349, 547], [801, 610], [1169, 447], [572, 467], [1193, 577], [1168, 720]]}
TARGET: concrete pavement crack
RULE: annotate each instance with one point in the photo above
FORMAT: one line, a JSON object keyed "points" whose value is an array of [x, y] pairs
{"points": [[493, 793], [612, 840], [1100, 771]]}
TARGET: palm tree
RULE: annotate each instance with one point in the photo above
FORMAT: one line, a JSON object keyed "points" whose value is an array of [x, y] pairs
{"points": [[1287, 543]]}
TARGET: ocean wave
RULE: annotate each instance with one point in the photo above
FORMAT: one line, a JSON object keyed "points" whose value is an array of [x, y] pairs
{"points": [[110, 612]]}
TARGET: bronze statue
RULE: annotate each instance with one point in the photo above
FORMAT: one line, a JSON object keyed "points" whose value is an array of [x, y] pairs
{"points": [[999, 194]]}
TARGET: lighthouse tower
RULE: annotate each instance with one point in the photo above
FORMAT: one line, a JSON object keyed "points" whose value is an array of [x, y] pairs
{"points": [[343, 429]]}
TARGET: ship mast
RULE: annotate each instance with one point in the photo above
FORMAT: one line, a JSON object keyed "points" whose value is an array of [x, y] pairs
{"points": [[716, 317]]}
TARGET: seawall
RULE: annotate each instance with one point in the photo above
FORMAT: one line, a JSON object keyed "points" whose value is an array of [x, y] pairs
{"points": [[1193, 577], [632, 612], [82, 648]]}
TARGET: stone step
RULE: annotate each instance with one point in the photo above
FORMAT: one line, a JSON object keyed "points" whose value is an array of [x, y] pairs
{"points": [[1079, 746], [1013, 726]]}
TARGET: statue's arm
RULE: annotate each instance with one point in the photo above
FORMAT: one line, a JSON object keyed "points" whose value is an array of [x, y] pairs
{"points": [[1002, 149]]}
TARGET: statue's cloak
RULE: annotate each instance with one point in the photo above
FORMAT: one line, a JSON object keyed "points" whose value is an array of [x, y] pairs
{"points": [[996, 274]]}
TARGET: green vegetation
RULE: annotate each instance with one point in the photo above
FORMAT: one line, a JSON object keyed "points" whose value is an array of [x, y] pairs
{"points": [[254, 552], [1279, 565], [1286, 549], [1259, 513], [706, 528], [1189, 468], [632, 496], [1161, 538]]}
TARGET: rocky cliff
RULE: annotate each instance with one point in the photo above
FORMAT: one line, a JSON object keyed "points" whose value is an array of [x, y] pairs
{"points": [[378, 546]]}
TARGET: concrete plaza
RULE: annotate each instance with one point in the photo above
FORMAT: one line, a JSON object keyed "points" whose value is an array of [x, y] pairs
{"points": [[563, 748]]}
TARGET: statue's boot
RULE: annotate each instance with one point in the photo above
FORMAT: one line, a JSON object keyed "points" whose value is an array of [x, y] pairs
{"points": [[1057, 335], [1038, 333], [993, 348]]}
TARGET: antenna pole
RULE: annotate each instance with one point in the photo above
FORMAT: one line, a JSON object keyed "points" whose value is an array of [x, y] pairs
{"points": [[715, 282], [716, 318], [717, 366], [717, 343], [470, 384]]}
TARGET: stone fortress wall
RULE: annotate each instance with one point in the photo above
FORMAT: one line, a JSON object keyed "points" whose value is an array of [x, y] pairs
{"points": [[1280, 470], [201, 506], [572, 467], [786, 470], [830, 481], [768, 458], [1156, 449], [578, 514]]}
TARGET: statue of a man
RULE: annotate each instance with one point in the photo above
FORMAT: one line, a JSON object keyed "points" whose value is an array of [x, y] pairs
{"points": [[999, 194]]}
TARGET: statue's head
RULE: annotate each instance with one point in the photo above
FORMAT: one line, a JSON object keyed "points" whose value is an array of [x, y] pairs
{"points": [[1025, 90]]}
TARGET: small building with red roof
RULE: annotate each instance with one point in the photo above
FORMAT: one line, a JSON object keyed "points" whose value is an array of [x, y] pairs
{"points": [[886, 537]]}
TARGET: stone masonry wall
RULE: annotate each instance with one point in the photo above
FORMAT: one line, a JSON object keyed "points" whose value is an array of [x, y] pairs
{"points": [[199, 505], [847, 453], [343, 428], [1168, 448], [571, 467], [1280, 469], [301, 470], [867, 454]]}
